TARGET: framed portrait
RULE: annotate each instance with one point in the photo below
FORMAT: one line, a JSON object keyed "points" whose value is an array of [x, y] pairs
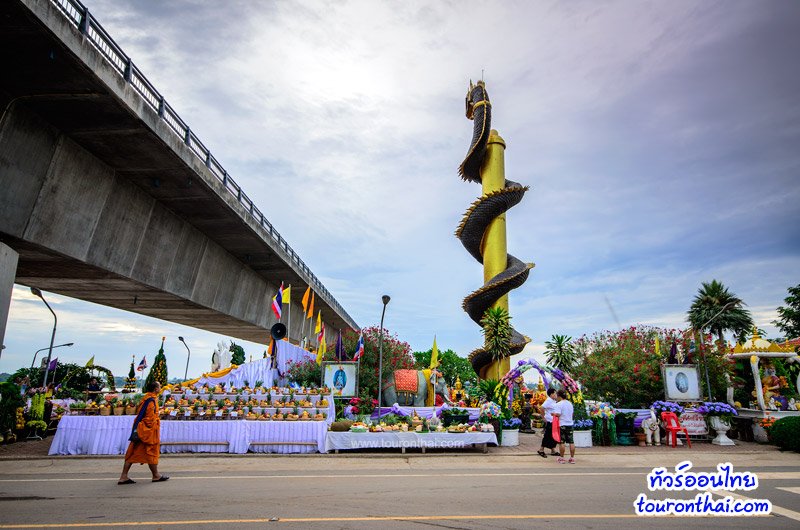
{"points": [[341, 378], [681, 382]]}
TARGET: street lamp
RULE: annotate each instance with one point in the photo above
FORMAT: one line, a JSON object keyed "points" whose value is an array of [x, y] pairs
{"points": [[385, 299], [54, 347], [699, 345], [185, 373], [37, 292]]}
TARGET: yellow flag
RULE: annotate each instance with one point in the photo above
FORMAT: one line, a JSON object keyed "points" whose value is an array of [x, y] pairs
{"points": [[658, 348], [321, 350], [318, 327], [90, 362], [434, 354], [287, 295], [310, 313], [306, 296]]}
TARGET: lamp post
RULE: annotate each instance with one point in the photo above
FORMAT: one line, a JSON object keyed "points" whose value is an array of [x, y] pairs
{"points": [[188, 356], [54, 347], [700, 347], [385, 299], [36, 292]]}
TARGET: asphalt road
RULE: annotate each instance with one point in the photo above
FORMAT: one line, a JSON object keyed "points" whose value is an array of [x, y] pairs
{"points": [[464, 491]]}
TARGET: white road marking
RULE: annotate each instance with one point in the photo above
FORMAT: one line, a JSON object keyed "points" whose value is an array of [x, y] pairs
{"points": [[335, 476], [791, 514]]}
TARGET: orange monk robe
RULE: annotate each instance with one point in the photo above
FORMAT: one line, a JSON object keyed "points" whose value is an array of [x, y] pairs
{"points": [[148, 449]]}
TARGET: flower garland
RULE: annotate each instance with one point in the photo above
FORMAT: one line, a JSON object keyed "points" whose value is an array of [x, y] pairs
{"points": [[564, 380]]}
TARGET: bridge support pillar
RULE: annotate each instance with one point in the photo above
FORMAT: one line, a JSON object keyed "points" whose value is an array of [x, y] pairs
{"points": [[8, 272]]}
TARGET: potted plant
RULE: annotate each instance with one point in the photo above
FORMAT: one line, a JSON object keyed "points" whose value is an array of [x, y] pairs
{"points": [[582, 432], [510, 437], [491, 412], [454, 416], [36, 429], [624, 423], [641, 437], [130, 408], [605, 431], [718, 417]]}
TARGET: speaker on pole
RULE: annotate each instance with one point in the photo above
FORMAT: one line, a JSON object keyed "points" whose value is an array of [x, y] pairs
{"points": [[278, 331]]}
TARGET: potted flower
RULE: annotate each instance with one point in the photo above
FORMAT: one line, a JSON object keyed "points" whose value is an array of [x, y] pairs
{"points": [[666, 406], [718, 417], [605, 430], [582, 432], [510, 436], [491, 412]]}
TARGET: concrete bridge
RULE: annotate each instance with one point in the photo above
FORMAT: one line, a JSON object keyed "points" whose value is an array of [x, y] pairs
{"points": [[106, 194]]}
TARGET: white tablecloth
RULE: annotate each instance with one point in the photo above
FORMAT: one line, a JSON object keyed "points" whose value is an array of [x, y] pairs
{"points": [[286, 432], [108, 435], [404, 440]]}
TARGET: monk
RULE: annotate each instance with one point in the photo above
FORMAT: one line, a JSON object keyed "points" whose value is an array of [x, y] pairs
{"points": [[148, 448]]}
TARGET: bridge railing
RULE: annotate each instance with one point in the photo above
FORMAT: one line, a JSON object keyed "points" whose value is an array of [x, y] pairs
{"points": [[80, 17]]}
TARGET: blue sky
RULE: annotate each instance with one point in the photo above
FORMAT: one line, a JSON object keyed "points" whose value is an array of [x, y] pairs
{"points": [[659, 140]]}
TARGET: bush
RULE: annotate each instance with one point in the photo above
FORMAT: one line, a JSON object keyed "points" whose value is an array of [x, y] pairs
{"points": [[785, 433], [305, 373], [622, 367]]}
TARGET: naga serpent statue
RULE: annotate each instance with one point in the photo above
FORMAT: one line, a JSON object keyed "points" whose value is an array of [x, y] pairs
{"points": [[482, 229]]}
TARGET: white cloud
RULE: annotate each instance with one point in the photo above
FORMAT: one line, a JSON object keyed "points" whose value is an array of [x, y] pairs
{"points": [[659, 140]]}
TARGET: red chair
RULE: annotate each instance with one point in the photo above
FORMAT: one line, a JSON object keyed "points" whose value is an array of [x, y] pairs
{"points": [[673, 427]]}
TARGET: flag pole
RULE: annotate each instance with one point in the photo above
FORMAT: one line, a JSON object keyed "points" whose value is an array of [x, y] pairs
{"points": [[289, 317]]}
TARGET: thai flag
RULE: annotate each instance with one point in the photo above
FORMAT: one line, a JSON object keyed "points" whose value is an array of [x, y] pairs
{"points": [[359, 348], [142, 365], [277, 302]]}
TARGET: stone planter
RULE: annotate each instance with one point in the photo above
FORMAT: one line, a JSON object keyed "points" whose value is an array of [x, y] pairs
{"points": [[721, 426], [582, 438], [510, 438]]}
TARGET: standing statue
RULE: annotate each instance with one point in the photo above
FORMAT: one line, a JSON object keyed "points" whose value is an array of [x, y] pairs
{"points": [[482, 231], [414, 388], [651, 429]]}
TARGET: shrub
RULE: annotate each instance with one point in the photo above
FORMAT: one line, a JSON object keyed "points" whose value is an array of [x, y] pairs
{"points": [[305, 373], [785, 433]]}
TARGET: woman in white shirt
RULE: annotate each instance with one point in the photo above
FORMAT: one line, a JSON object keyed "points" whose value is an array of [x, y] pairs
{"points": [[547, 409]]}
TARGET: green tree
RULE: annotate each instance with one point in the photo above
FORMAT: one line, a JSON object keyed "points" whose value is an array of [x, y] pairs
{"points": [[159, 370], [496, 324], [560, 353], [622, 367], [789, 317], [451, 365], [722, 308], [396, 355], [238, 354]]}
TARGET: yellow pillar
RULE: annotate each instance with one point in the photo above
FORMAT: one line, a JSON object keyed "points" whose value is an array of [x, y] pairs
{"points": [[493, 246]]}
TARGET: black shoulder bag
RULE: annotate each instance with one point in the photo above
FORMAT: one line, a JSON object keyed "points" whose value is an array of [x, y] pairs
{"points": [[134, 433]]}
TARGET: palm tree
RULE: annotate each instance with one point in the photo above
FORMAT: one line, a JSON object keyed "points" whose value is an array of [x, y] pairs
{"points": [[718, 310], [497, 332], [560, 353]]}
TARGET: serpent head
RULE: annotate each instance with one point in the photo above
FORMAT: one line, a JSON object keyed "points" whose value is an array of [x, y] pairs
{"points": [[475, 95]]}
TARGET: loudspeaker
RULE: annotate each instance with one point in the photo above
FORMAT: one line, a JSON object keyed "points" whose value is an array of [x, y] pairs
{"points": [[278, 331]]}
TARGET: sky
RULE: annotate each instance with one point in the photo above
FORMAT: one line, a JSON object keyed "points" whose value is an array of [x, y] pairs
{"points": [[659, 139]]}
